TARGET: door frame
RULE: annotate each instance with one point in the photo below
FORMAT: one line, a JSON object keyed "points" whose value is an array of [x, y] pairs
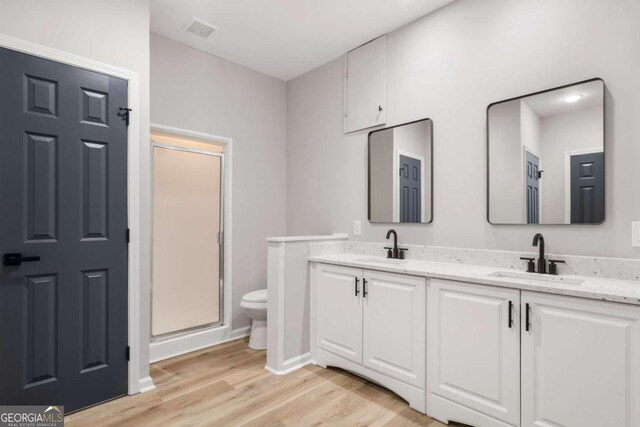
{"points": [[567, 177], [190, 340], [135, 383]]}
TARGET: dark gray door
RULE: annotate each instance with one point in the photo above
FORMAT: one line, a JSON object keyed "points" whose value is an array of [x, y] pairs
{"points": [[63, 198], [410, 189], [532, 177], [587, 188]]}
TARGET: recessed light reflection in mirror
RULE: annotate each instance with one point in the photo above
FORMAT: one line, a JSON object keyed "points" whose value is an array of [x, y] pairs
{"points": [[573, 98]]}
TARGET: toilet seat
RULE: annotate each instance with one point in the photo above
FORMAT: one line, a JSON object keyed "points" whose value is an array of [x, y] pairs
{"points": [[255, 296]]}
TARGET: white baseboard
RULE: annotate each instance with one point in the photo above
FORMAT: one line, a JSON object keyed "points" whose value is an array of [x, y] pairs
{"points": [[445, 411], [146, 384], [292, 364], [236, 334], [182, 344]]}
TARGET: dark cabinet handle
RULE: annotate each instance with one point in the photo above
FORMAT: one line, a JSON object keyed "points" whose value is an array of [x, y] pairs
{"points": [[510, 314], [18, 259], [357, 290], [526, 315], [364, 288]]}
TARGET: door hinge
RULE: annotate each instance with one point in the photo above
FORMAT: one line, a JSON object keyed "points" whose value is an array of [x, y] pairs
{"points": [[128, 235], [128, 353], [124, 112], [220, 238], [346, 75]]}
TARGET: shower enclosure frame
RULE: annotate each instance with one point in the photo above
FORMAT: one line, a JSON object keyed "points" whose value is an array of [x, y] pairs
{"points": [[190, 339]]}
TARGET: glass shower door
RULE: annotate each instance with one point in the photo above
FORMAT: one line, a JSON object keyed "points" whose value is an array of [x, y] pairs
{"points": [[186, 273]]}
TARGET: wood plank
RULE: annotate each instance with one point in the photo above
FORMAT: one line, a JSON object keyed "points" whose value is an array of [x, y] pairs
{"points": [[228, 385]]}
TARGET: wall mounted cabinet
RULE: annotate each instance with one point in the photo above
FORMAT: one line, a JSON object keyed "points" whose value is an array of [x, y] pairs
{"points": [[373, 324], [365, 87]]}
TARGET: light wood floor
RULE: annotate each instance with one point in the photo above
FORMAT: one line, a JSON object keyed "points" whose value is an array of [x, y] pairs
{"points": [[227, 385]]}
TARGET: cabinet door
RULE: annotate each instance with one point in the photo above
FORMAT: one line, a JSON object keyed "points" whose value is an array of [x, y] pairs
{"points": [[474, 349], [394, 326], [339, 311], [580, 362], [366, 86]]}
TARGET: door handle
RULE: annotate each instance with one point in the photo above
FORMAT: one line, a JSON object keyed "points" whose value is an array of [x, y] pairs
{"points": [[510, 314], [526, 322], [18, 259], [364, 288], [357, 291]]}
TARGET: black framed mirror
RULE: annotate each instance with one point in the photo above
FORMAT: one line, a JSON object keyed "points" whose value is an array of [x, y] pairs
{"points": [[401, 173], [545, 156]]}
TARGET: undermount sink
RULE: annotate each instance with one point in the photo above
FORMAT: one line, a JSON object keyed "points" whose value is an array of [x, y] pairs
{"points": [[536, 277], [384, 260]]}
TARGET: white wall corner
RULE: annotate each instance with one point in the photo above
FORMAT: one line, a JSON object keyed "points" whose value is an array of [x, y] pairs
{"points": [[292, 364]]}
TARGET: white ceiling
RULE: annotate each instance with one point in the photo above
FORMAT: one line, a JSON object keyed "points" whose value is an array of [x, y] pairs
{"points": [[552, 103], [285, 38]]}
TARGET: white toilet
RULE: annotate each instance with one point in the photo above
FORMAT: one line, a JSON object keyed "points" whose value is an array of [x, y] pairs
{"points": [[255, 304]]}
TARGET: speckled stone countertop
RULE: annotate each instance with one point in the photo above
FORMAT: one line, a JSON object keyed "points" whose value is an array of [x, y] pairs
{"points": [[599, 288]]}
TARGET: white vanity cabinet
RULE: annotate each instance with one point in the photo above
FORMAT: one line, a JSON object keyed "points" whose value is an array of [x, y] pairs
{"points": [[373, 324], [473, 351], [580, 362], [394, 327], [502, 357], [338, 318]]}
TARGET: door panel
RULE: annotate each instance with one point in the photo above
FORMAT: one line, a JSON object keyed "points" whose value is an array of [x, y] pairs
{"points": [[41, 186], [532, 178], [95, 338], [41, 316], [580, 363], [394, 326], [587, 188], [339, 311], [63, 186], [474, 356], [94, 184]]}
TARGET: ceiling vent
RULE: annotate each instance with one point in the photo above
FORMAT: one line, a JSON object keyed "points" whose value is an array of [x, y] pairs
{"points": [[200, 28]]}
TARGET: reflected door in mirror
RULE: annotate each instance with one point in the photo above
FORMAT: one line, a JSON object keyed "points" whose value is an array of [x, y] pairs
{"points": [[410, 189], [400, 173]]}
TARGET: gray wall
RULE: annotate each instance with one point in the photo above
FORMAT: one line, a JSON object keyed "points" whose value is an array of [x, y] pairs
{"points": [[114, 32], [449, 66], [505, 163], [381, 159], [197, 91]]}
